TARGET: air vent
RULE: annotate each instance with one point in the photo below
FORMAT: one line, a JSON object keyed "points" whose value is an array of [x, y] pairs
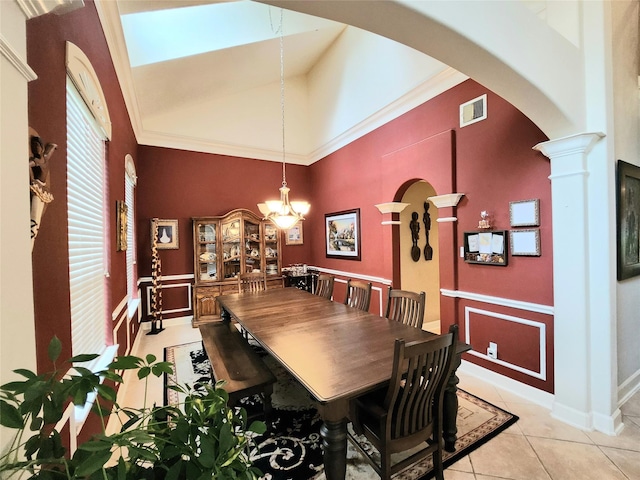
{"points": [[473, 111]]}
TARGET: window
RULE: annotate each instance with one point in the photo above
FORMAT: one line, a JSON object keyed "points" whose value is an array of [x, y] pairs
{"points": [[130, 180], [87, 229]]}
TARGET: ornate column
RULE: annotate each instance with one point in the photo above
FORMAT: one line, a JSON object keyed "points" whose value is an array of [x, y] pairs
{"points": [[583, 356]]}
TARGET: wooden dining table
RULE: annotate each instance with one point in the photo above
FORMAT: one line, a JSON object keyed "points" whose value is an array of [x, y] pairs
{"points": [[336, 352]]}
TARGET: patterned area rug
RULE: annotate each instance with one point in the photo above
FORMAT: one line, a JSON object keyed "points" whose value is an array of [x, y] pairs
{"points": [[294, 450]]}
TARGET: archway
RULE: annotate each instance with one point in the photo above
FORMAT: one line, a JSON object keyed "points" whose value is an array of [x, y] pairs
{"points": [[423, 274]]}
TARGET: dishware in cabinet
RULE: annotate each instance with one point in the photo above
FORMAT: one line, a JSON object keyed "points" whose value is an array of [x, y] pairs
{"points": [[205, 250]]}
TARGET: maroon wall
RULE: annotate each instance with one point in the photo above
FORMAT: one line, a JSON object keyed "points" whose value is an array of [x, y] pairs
{"points": [[46, 36], [492, 163]]}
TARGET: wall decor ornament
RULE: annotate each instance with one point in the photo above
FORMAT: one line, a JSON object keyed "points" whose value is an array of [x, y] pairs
{"points": [[342, 234], [293, 236], [156, 280], [167, 234], [426, 219], [628, 219], [486, 247], [525, 213], [525, 242], [39, 179], [414, 225], [121, 225], [485, 221]]}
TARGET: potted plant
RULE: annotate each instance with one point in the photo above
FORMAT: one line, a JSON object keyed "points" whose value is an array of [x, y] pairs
{"points": [[202, 438]]}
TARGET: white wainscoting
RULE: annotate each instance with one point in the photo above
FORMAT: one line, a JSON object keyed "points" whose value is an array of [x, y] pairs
{"points": [[542, 366]]}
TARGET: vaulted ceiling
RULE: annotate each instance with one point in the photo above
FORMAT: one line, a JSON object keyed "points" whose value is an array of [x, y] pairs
{"points": [[205, 76]]}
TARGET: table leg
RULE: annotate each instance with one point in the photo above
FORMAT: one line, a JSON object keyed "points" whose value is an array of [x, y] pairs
{"points": [[334, 444], [225, 316], [450, 408]]}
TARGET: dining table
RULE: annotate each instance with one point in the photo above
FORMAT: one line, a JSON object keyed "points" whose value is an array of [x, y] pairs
{"points": [[335, 351]]}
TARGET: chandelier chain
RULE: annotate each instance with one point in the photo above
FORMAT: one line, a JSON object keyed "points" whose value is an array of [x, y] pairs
{"points": [[284, 174]]}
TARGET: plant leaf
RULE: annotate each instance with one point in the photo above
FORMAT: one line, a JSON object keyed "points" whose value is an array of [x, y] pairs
{"points": [[126, 362], [55, 348], [151, 358], [85, 357], [144, 372], [93, 463], [10, 416]]}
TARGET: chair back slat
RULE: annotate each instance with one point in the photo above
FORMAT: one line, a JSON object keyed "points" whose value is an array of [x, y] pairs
{"points": [[406, 307], [358, 294], [420, 373], [252, 282], [324, 286]]}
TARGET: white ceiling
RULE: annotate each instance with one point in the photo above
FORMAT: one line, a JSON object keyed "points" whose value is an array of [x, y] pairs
{"points": [[205, 76]]}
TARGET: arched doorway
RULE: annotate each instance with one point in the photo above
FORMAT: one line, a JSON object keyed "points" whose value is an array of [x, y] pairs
{"points": [[423, 274]]}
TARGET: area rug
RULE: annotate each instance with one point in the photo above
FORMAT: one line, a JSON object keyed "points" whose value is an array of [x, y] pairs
{"points": [[294, 449]]}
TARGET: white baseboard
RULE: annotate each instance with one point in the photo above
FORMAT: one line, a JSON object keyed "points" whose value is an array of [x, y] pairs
{"points": [[544, 399], [169, 322]]}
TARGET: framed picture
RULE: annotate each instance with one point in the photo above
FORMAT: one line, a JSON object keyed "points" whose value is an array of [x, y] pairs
{"points": [[525, 213], [293, 236], [628, 219], [525, 242], [342, 234], [486, 248], [167, 234], [121, 226]]}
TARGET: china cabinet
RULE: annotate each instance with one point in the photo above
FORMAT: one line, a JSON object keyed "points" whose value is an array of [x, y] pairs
{"points": [[226, 246]]}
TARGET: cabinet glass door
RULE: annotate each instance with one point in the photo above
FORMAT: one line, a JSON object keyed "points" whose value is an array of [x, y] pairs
{"points": [[253, 252], [271, 249], [206, 251], [231, 248]]}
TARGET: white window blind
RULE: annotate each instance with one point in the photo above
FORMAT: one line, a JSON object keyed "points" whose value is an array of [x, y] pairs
{"points": [[129, 200], [87, 231]]}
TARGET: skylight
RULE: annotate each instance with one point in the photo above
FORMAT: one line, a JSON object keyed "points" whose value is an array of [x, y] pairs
{"points": [[162, 35]]}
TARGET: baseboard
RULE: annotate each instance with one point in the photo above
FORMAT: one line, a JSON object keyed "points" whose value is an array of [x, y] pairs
{"points": [[629, 388], [169, 322], [544, 399]]}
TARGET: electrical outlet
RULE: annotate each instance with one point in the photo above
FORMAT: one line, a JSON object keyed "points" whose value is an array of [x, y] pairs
{"points": [[492, 350], [461, 252]]}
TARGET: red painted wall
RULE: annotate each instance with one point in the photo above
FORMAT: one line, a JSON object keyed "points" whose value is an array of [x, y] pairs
{"points": [[46, 37], [175, 184]]}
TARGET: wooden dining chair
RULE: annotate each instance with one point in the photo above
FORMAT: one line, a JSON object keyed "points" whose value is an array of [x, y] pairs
{"points": [[324, 286], [358, 294], [252, 282], [409, 411], [405, 307]]}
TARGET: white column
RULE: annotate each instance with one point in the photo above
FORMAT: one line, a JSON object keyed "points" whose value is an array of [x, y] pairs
{"points": [[583, 395]]}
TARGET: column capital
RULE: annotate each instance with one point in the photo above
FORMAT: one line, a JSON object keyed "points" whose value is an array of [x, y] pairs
{"points": [[580, 143]]}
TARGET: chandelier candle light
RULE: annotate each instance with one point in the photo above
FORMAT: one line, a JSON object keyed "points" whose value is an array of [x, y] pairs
{"points": [[283, 213]]}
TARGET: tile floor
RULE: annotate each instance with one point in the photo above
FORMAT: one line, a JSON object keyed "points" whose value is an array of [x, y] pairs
{"points": [[537, 447]]}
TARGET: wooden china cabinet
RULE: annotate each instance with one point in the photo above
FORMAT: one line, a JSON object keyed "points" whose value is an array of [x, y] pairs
{"points": [[226, 246]]}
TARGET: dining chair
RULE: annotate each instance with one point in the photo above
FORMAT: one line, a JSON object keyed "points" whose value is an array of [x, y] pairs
{"points": [[252, 282], [358, 294], [405, 307], [324, 286], [409, 411]]}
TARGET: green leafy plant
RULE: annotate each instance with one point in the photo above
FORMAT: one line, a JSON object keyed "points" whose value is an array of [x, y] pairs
{"points": [[201, 438]]}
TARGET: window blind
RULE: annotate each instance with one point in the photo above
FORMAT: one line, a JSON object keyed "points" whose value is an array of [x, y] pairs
{"points": [[87, 232], [131, 244]]}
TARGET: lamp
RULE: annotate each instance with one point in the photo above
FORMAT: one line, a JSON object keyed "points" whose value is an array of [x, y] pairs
{"points": [[283, 213]]}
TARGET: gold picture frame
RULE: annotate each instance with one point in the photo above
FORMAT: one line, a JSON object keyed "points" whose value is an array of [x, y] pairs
{"points": [[293, 235], [168, 238], [122, 211]]}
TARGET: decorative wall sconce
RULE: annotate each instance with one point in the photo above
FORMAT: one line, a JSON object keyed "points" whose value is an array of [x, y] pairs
{"points": [[391, 207], [446, 200]]}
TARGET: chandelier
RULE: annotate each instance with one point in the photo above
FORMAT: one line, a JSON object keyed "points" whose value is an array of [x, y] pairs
{"points": [[282, 212]]}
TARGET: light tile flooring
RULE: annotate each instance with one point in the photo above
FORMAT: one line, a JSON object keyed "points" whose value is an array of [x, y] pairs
{"points": [[537, 447]]}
